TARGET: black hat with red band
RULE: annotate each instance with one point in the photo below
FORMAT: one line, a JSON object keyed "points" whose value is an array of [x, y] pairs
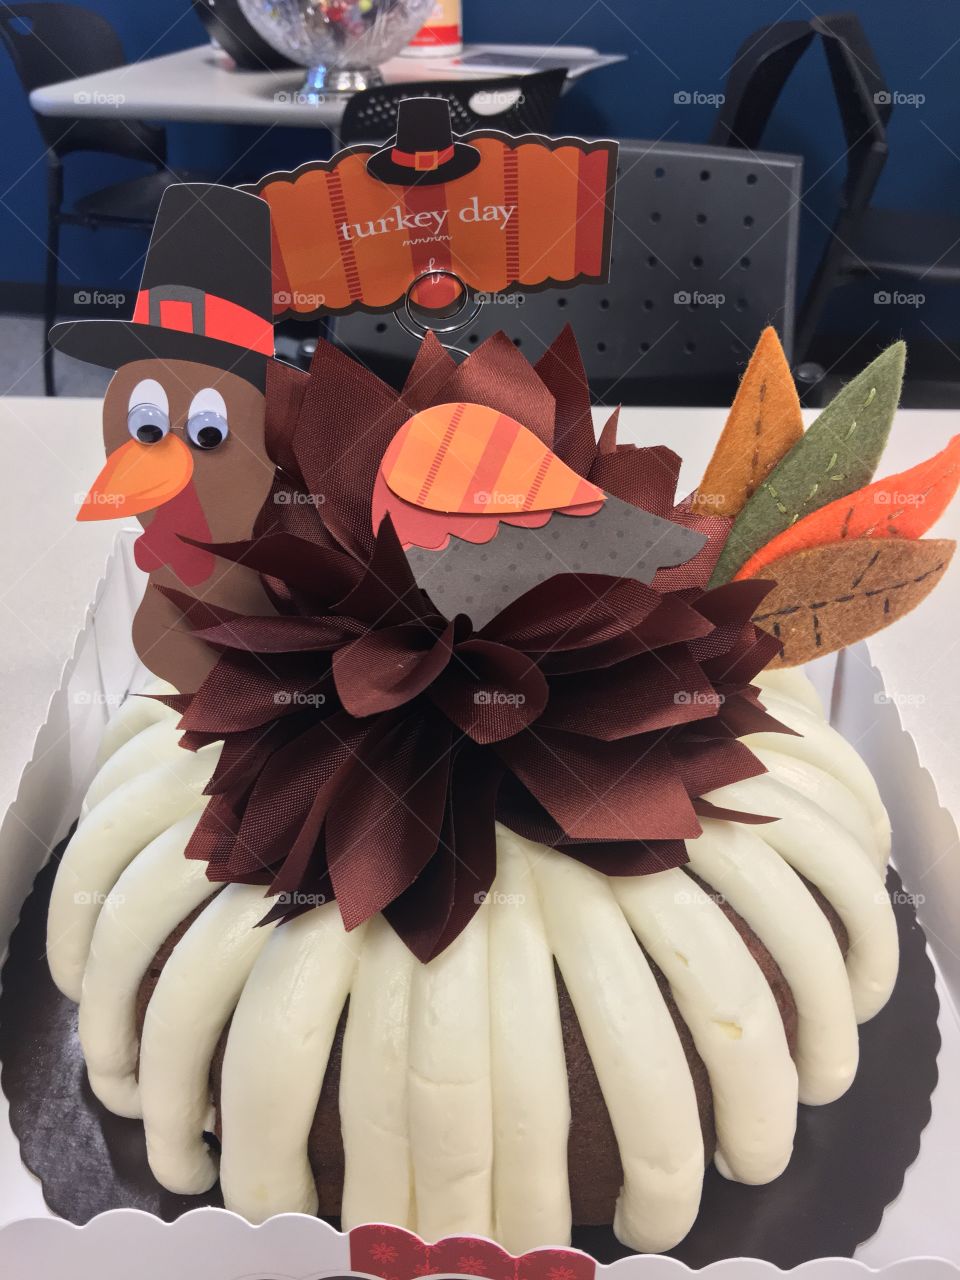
{"points": [[423, 153], [206, 293]]}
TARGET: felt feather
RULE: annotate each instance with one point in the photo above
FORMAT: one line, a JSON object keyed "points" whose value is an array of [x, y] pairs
{"points": [[835, 457], [764, 423], [900, 506], [831, 596]]}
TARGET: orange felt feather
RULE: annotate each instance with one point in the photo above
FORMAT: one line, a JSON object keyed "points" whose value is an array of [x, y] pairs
{"points": [[763, 425], [900, 506]]}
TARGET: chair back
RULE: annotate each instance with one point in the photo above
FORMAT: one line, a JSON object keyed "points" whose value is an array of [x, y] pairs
{"points": [[703, 256], [760, 69], [512, 104], [48, 43], [865, 105]]}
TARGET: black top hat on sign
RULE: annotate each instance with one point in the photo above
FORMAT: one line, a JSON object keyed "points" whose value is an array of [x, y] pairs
{"points": [[206, 294], [423, 153]]}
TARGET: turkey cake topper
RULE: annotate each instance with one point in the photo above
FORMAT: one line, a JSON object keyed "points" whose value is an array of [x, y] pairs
{"points": [[498, 213], [183, 416], [410, 615]]}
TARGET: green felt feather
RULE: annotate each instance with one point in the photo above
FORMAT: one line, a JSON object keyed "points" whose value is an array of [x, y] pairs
{"points": [[836, 456]]}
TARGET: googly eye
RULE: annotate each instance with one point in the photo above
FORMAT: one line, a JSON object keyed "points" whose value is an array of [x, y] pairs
{"points": [[207, 429], [147, 423]]}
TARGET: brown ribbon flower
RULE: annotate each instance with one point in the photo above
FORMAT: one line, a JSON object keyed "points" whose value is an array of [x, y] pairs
{"points": [[371, 744]]}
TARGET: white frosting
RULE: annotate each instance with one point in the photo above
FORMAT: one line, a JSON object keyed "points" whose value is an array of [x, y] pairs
{"points": [[136, 714], [790, 682], [820, 744], [158, 744], [732, 1015], [822, 852], [291, 1002], [196, 994], [635, 1049], [831, 794], [765, 892], [103, 845], [158, 890], [531, 1102], [377, 1176], [448, 1088]]}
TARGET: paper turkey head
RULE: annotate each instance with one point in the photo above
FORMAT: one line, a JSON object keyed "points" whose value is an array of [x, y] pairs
{"points": [[186, 455], [184, 415]]}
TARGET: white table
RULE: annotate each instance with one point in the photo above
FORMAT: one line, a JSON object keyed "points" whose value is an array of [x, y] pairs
{"points": [[201, 85], [51, 567]]}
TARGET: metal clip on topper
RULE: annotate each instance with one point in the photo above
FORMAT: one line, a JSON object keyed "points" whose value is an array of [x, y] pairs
{"points": [[456, 321]]}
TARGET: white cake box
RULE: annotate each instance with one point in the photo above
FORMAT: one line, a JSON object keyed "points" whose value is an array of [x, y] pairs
{"points": [[920, 1232]]}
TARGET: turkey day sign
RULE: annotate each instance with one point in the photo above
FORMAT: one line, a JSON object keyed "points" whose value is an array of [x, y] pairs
{"points": [[499, 213]]}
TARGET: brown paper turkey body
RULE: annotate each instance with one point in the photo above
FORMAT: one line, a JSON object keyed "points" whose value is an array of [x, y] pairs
{"points": [[183, 416]]}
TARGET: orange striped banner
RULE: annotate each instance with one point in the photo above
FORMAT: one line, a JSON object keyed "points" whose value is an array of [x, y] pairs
{"points": [[536, 213]]}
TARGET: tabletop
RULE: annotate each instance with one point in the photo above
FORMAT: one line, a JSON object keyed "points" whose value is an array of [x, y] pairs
{"points": [[202, 85]]}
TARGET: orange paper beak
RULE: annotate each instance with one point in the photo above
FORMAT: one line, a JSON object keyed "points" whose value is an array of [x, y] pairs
{"points": [[138, 477]]}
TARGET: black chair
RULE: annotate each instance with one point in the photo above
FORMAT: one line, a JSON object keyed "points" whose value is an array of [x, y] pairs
{"points": [[760, 70], [513, 104], [53, 42], [864, 241], [704, 253]]}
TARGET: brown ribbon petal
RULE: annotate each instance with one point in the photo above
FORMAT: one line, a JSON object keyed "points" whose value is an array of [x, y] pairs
{"points": [[490, 691], [384, 824], [624, 790], [386, 668]]}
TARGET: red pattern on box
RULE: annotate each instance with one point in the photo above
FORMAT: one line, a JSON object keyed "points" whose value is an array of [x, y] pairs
{"points": [[395, 1254]]}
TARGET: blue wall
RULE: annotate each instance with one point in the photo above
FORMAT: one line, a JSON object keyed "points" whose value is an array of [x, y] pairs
{"points": [[671, 45]]}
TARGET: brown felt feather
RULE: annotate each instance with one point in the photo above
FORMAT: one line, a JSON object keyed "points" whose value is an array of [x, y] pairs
{"points": [[764, 423], [831, 596]]}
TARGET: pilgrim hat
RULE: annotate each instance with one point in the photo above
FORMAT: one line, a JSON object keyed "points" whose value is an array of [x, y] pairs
{"points": [[206, 294], [423, 153]]}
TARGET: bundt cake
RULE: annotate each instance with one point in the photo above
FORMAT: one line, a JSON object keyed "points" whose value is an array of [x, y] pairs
{"points": [[576, 1055], [484, 867]]}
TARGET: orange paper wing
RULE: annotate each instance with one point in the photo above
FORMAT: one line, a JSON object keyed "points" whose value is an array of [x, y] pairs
{"points": [[900, 506], [471, 460]]}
